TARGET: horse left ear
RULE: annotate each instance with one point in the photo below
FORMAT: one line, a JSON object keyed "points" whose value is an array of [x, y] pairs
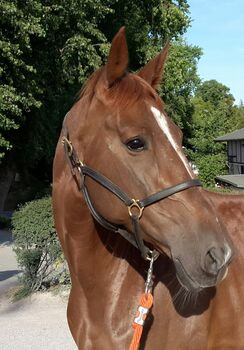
{"points": [[152, 72], [118, 57]]}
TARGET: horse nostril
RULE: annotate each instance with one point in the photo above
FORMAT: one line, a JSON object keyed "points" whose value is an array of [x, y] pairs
{"points": [[214, 260]]}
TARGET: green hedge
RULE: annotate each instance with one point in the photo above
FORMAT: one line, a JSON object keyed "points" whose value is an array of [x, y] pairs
{"points": [[209, 167], [36, 245]]}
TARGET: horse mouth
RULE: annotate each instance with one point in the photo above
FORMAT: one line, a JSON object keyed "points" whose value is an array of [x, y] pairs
{"points": [[185, 279]]}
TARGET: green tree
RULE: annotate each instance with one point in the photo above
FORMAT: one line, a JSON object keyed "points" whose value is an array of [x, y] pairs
{"points": [[148, 25], [73, 47], [49, 48], [180, 82], [214, 115], [46, 48], [240, 116], [215, 93], [19, 92]]}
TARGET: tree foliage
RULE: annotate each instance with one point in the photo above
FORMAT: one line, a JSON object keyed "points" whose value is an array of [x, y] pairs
{"points": [[19, 91], [148, 25], [49, 48], [179, 83], [214, 115], [240, 116]]}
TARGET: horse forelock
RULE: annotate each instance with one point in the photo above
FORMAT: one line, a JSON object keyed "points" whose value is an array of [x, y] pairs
{"points": [[125, 91], [129, 90]]}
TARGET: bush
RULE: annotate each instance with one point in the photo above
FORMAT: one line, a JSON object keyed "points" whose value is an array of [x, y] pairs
{"points": [[36, 245], [210, 166]]}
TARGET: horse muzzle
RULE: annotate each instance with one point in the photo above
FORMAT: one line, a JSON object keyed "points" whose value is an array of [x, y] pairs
{"points": [[213, 268]]}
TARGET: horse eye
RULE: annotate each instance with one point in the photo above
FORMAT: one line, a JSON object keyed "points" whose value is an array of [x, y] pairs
{"points": [[136, 144]]}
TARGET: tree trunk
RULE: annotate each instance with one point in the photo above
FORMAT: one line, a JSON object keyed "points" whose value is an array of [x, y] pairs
{"points": [[7, 174]]}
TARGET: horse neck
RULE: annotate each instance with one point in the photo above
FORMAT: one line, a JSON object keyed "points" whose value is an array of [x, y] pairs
{"points": [[229, 206]]}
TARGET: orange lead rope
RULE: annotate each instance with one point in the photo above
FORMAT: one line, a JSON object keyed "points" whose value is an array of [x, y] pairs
{"points": [[145, 305]]}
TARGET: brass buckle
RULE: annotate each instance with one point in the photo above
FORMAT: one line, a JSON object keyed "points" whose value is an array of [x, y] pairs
{"points": [[135, 204]]}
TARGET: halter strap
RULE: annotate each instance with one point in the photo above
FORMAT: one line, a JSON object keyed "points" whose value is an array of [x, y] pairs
{"points": [[108, 184], [106, 224], [158, 196]]}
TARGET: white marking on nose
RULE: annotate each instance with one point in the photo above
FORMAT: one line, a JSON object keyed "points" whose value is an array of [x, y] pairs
{"points": [[163, 124]]}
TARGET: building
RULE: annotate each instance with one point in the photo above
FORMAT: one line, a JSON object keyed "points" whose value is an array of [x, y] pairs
{"points": [[235, 156]]}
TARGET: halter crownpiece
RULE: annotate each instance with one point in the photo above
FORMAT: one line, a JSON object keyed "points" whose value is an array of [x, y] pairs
{"points": [[135, 206]]}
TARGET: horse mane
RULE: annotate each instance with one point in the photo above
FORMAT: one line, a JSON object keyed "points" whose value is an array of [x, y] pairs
{"points": [[88, 88], [124, 92]]}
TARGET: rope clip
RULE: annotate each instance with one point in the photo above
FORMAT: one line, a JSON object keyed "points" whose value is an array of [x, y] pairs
{"points": [[152, 256]]}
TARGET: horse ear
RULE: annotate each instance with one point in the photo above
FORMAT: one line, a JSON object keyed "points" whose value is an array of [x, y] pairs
{"points": [[118, 57], [152, 72]]}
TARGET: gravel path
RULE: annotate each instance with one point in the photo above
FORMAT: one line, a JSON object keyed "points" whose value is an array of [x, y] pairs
{"points": [[37, 322]]}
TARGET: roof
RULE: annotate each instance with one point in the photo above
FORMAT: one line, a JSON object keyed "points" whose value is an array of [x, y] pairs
{"points": [[233, 180], [235, 135]]}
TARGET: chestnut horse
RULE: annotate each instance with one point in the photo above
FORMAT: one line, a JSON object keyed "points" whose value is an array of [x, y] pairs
{"points": [[118, 144]]}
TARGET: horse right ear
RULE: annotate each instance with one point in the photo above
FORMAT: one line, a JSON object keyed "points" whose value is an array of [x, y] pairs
{"points": [[152, 72], [118, 58]]}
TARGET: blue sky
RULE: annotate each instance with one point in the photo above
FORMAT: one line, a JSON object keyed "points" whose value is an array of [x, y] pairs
{"points": [[218, 28]]}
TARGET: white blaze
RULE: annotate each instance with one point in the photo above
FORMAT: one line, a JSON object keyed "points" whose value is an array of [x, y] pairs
{"points": [[163, 124]]}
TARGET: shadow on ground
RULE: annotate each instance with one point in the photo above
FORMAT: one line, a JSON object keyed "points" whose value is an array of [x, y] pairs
{"points": [[5, 238], [4, 275]]}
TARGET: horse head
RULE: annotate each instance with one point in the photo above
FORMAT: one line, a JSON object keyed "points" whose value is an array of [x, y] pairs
{"points": [[124, 133]]}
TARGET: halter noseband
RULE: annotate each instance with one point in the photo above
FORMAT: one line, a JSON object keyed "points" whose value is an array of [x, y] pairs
{"points": [[135, 206]]}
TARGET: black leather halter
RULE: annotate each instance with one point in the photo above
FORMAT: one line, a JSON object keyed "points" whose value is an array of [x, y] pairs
{"points": [[135, 206]]}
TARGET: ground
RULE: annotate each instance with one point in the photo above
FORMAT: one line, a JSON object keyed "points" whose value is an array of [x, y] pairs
{"points": [[37, 322]]}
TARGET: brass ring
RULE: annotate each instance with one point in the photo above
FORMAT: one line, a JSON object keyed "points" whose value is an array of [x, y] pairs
{"points": [[135, 204]]}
